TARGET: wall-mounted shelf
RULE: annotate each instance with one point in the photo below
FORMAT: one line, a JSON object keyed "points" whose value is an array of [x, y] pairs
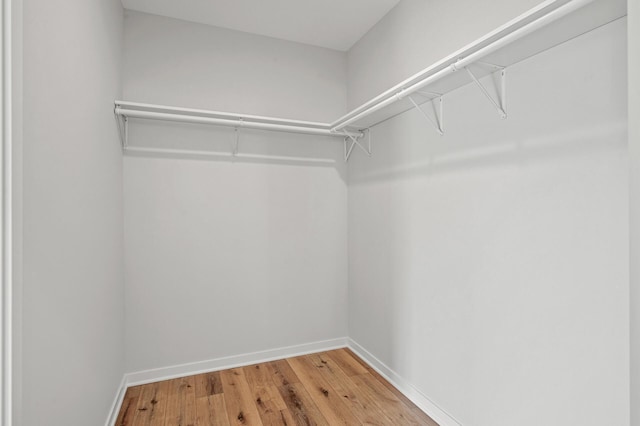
{"points": [[127, 109], [549, 24]]}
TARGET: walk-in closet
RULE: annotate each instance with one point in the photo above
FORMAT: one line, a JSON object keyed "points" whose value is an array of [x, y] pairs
{"points": [[320, 212]]}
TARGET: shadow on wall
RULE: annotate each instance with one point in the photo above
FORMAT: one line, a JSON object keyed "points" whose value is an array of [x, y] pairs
{"points": [[551, 115], [440, 156], [484, 263], [217, 144], [474, 235]]}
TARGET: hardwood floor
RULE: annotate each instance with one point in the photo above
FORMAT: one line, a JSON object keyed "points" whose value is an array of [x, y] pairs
{"points": [[328, 388]]}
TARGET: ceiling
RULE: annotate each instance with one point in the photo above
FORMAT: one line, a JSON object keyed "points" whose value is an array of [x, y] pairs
{"points": [[335, 24]]}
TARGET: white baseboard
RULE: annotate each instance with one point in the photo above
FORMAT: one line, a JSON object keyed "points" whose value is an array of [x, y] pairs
{"points": [[172, 372], [117, 403], [182, 370], [421, 400], [166, 373]]}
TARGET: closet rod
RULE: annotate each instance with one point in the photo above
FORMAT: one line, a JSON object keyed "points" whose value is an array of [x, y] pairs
{"points": [[238, 123], [217, 114], [398, 92]]}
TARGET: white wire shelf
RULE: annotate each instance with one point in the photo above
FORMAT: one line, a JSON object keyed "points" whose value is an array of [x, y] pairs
{"points": [[551, 23]]}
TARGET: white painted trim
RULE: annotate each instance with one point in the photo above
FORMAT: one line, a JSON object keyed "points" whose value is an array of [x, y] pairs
{"points": [[6, 314], [117, 403], [172, 372], [165, 373], [417, 397], [182, 370]]}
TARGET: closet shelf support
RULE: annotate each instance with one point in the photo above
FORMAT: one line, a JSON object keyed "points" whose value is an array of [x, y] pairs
{"points": [[501, 103], [123, 128], [350, 142], [437, 110], [236, 142], [126, 131]]}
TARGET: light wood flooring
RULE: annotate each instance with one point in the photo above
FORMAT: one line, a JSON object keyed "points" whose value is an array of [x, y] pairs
{"points": [[328, 388]]}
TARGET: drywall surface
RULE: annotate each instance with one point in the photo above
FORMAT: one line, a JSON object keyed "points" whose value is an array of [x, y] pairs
{"points": [[489, 267], [633, 7], [416, 34], [17, 210], [226, 257], [199, 66], [73, 301]]}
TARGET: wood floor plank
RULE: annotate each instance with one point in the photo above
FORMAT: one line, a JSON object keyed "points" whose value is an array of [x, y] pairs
{"points": [[241, 409], [211, 410], [286, 418], [421, 415], [347, 363], [271, 407], [129, 406], [281, 373], [360, 403], [208, 384], [181, 404], [257, 375], [268, 408], [152, 405], [274, 395], [393, 408], [325, 389], [329, 402], [301, 406]]}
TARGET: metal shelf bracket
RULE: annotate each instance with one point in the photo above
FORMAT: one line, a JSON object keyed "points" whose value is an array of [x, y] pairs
{"points": [[123, 128], [437, 110], [351, 141], [501, 103], [236, 142], [126, 132]]}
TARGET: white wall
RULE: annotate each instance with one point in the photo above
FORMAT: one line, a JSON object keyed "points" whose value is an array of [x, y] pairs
{"points": [[199, 66], [489, 267], [416, 34], [633, 7], [73, 354], [225, 258], [17, 210]]}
